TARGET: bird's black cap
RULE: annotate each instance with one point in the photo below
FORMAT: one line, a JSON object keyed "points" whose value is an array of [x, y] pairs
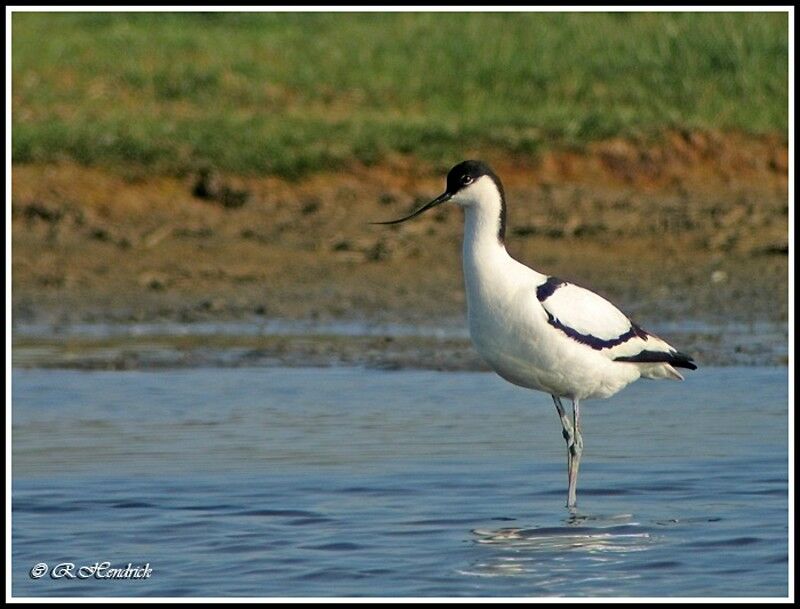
{"points": [[465, 173]]}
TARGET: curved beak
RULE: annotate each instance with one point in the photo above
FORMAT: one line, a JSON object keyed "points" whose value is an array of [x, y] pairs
{"points": [[443, 198]]}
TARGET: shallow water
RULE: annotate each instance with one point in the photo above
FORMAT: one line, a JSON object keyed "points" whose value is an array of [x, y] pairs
{"points": [[346, 481]]}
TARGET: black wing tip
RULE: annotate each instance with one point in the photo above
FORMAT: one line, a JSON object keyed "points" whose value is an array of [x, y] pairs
{"points": [[674, 358], [681, 360]]}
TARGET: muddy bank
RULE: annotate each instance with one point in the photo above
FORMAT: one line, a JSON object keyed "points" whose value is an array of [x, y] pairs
{"points": [[157, 346], [692, 228]]}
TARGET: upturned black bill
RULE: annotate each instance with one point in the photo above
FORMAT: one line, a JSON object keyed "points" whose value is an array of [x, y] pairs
{"points": [[443, 198]]}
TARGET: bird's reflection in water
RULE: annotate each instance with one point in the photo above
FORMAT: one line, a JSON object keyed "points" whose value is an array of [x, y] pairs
{"points": [[584, 542]]}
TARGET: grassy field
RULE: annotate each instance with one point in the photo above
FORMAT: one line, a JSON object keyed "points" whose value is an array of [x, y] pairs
{"points": [[293, 93]]}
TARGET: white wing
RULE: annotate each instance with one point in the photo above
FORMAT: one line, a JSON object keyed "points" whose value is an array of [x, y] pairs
{"points": [[591, 320], [586, 313]]}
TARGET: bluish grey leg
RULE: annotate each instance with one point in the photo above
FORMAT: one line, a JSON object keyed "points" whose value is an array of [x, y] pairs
{"points": [[576, 450], [569, 438]]}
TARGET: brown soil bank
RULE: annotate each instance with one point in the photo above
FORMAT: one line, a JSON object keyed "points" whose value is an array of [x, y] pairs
{"points": [[694, 227]]}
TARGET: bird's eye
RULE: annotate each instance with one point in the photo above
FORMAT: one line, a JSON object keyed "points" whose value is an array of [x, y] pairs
{"points": [[466, 180]]}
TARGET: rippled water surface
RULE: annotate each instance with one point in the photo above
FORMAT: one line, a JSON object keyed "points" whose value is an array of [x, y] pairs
{"points": [[345, 481]]}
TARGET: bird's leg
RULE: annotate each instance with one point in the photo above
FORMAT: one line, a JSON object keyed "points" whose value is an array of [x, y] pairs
{"points": [[567, 432], [576, 450]]}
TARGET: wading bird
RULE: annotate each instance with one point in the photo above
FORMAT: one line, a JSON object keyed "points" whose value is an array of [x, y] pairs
{"points": [[538, 331]]}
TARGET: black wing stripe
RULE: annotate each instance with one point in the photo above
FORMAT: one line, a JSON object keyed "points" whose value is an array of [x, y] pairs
{"points": [[545, 291], [675, 358], [593, 341]]}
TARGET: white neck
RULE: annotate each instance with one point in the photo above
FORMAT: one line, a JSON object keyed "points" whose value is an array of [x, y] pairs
{"points": [[483, 207], [484, 255], [488, 268], [482, 229]]}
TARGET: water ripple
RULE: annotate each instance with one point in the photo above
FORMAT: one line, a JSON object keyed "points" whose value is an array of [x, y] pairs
{"points": [[352, 482]]}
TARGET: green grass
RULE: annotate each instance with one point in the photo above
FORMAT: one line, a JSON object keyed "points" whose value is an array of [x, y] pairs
{"points": [[292, 93]]}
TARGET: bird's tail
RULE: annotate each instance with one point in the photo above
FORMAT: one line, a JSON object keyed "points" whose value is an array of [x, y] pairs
{"points": [[660, 360]]}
